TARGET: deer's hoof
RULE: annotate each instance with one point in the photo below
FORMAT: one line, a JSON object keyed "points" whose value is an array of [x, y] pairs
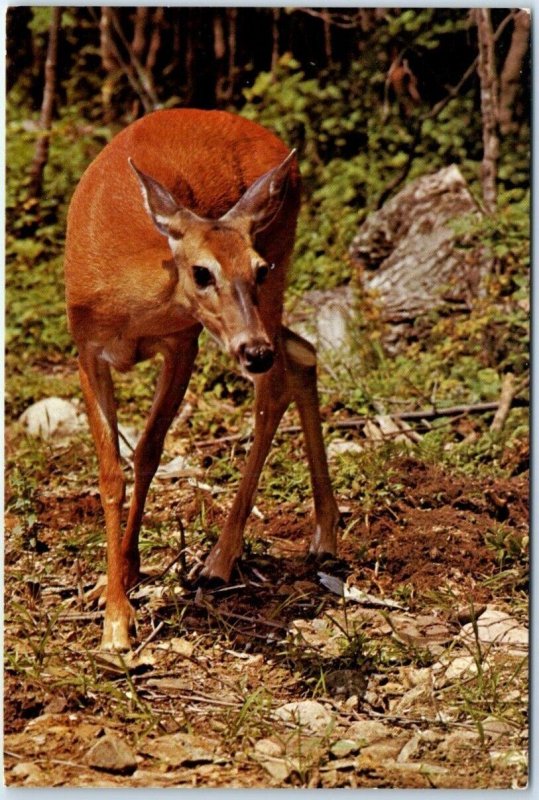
{"points": [[217, 568], [116, 630]]}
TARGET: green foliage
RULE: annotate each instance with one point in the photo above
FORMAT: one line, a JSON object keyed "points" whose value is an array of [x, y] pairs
{"points": [[354, 142], [366, 478], [512, 548]]}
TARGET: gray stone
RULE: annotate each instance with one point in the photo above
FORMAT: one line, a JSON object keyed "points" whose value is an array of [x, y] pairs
{"points": [[406, 251]]}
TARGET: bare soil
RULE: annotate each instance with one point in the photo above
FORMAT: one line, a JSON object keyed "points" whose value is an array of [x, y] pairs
{"points": [[207, 684]]}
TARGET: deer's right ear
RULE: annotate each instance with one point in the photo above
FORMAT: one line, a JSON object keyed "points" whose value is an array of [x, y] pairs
{"points": [[159, 203]]}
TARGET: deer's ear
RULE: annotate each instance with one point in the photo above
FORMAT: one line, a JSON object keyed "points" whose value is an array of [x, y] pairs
{"points": [[158, 201], [260, 204]]}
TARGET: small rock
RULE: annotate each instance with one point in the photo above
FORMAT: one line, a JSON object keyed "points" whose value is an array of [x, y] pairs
{"points": [[342, 764], [344, 748], [455, 743], [493, 728], [497, 627], [28, 771], [410, 748], [332, 325], [51, 418], [112, 754], [326, 318], [413, 698], [509, 758], [458, 668], [339, 446], [351, 703], [269, 747], [382, 751], [279, 768], [181, 749], [306, 713], [368, 731], [182, 647], [421, 767]]}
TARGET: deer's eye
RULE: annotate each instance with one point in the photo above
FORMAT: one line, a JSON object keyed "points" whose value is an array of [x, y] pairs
{"points": [[261, 273], [203, 277]]}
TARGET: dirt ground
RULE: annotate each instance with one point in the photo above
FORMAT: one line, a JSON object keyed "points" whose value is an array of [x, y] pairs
{"points": [[275, 680]]}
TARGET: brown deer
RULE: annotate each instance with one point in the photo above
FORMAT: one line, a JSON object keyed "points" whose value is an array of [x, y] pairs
{"points": [[186, 220]]}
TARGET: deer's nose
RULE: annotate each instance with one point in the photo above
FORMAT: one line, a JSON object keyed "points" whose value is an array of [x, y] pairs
{"points": [[256, 357]]}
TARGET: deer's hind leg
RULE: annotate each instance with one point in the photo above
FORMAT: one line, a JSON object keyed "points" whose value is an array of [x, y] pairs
{"points": [[301, 374]]}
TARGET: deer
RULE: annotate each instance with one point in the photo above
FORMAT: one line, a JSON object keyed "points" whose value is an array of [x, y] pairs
{"points": [[186, 221]]}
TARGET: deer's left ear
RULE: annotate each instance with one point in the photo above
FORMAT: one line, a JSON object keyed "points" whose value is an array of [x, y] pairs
{"points": [[261, 202]]}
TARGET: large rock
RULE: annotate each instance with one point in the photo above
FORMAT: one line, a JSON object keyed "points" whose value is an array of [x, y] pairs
{"points": [[406, 251]]}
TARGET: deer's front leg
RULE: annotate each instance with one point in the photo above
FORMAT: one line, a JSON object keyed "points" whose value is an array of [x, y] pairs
{"points": [[271, 400], [96, 383]]}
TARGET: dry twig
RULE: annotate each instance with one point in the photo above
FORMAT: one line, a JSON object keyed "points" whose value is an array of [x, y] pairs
{"points": [[504, 404]]}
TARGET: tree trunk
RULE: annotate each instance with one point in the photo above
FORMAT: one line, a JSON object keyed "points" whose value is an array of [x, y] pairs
{"points": [[219, 52], [510, 75], [110, 65], [45, 118], [489, 106], [133, 69], [328, 47], [138, 43], [153, 49], [276, 13], [232, 14]]}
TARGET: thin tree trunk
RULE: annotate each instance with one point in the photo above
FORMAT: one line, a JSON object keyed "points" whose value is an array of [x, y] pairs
{"points": [[219, 47], [110, 65], [219, 52], [134, 70], [232, 14], [153, 49], [275, 40], [510, 74], [489, 106], [328, 47], [138, 43], [41, 153]]}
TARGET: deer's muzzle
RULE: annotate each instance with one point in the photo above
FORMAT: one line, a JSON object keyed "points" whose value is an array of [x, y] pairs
{"points": [[256, 357]]}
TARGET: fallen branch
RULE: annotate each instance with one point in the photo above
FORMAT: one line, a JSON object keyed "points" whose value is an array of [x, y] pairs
{"points": [[358, 422]]}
